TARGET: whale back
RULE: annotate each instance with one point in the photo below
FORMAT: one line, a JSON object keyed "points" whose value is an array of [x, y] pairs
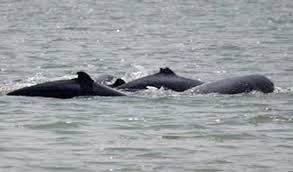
{"points": [[165, 78], [56, 89], [83, 85], [236, 85]]}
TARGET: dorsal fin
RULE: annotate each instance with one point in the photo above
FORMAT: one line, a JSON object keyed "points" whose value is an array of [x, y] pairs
{"points": [[118, 82], [167, 71], [84, 77]]}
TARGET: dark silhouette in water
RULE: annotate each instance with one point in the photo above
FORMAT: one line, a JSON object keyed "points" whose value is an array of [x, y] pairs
{"points": [[168, 79], [165, 78], [236, 85], [83, 85]]}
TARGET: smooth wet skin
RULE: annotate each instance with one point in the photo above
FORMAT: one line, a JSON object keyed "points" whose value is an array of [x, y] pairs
{"points": [[236, 85], [165, 78], [83, 85], [168, 79]]}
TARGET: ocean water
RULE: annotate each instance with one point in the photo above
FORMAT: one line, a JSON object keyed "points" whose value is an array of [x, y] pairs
{"points": [[152, 130]]}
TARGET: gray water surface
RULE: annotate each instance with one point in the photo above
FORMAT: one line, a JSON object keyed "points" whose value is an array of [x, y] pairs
{"points": [[153, 130]]}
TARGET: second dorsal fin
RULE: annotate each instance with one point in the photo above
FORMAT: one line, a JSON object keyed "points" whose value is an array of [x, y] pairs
{"points": [[84, 77], [118, 82], [167, 71]]}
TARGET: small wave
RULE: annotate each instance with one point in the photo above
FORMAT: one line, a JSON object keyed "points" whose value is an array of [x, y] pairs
{"points": [[137, 71], [283, 90], [55, 125], [76, 28], [156, 92], [230, 136], [278, 90], [4, 88], [269, 118]]}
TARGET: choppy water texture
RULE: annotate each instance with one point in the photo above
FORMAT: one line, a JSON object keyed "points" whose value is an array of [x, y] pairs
{"points": [[154, 130]]}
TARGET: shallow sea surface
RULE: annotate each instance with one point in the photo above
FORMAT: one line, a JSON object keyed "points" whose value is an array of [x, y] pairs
{"points": [[153, 130]]}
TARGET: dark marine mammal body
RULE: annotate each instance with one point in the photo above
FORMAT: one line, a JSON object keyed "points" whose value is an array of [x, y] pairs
{"points": [[83, 85], [164, 78], [236, 85]]}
